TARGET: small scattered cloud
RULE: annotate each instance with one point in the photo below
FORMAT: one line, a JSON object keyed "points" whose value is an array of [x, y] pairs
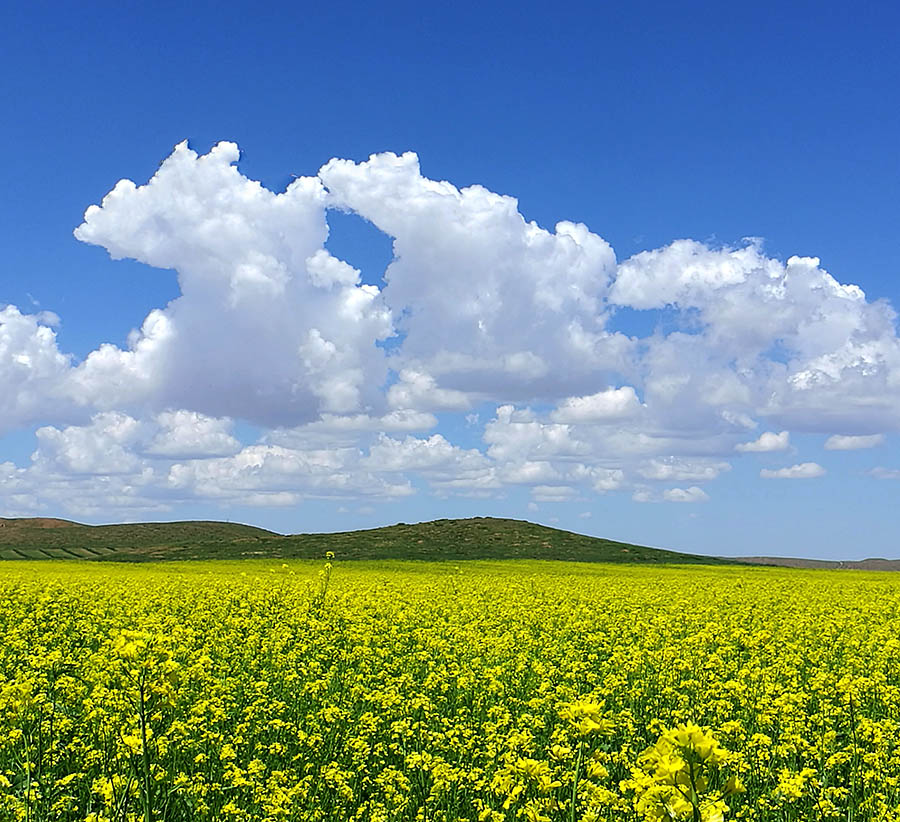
{"points": [[605, 406], [838, 442], [673, 469], [607, 479], [885, 473], [553, 493], [692, 494], [803, 470], [768, 441]]}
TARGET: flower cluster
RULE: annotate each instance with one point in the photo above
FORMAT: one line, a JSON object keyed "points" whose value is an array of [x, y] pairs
{"points": [[675, 778]]}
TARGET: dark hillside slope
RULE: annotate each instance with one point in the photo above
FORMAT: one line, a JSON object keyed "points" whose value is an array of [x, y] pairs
{"points": [[43, 538], [481, 538], [447, 539]]}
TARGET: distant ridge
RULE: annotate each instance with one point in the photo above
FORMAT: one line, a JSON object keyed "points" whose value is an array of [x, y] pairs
{"points": [[444, 539], [870, 564]]}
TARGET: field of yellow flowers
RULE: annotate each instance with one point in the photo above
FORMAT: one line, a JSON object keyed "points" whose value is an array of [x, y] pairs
{"points": [[483, 691]]}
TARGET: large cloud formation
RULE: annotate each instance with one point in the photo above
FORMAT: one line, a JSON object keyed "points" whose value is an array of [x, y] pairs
{"points": [[479, 306], [255, 282], [489, 304]]}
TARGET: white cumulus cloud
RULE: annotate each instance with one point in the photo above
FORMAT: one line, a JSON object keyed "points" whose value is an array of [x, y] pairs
{"points": [[32, 369], [189, 435], [516, 434], [357, 390], [489, 302], [269, 327]]}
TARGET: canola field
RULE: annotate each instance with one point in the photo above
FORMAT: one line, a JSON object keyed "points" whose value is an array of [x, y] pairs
{"points": [[480, 691]]}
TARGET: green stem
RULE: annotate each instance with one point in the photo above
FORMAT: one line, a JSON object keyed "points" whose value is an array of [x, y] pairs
{"points": [[145, 755], [694, 797], [575, 780], [27, 780], [855, 761]]}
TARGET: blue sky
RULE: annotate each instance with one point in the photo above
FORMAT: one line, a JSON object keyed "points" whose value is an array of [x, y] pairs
{"points": [[603, 375]]}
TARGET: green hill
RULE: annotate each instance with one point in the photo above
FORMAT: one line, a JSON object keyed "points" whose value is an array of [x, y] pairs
{"points": [[45, 538], [448, 539]]}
